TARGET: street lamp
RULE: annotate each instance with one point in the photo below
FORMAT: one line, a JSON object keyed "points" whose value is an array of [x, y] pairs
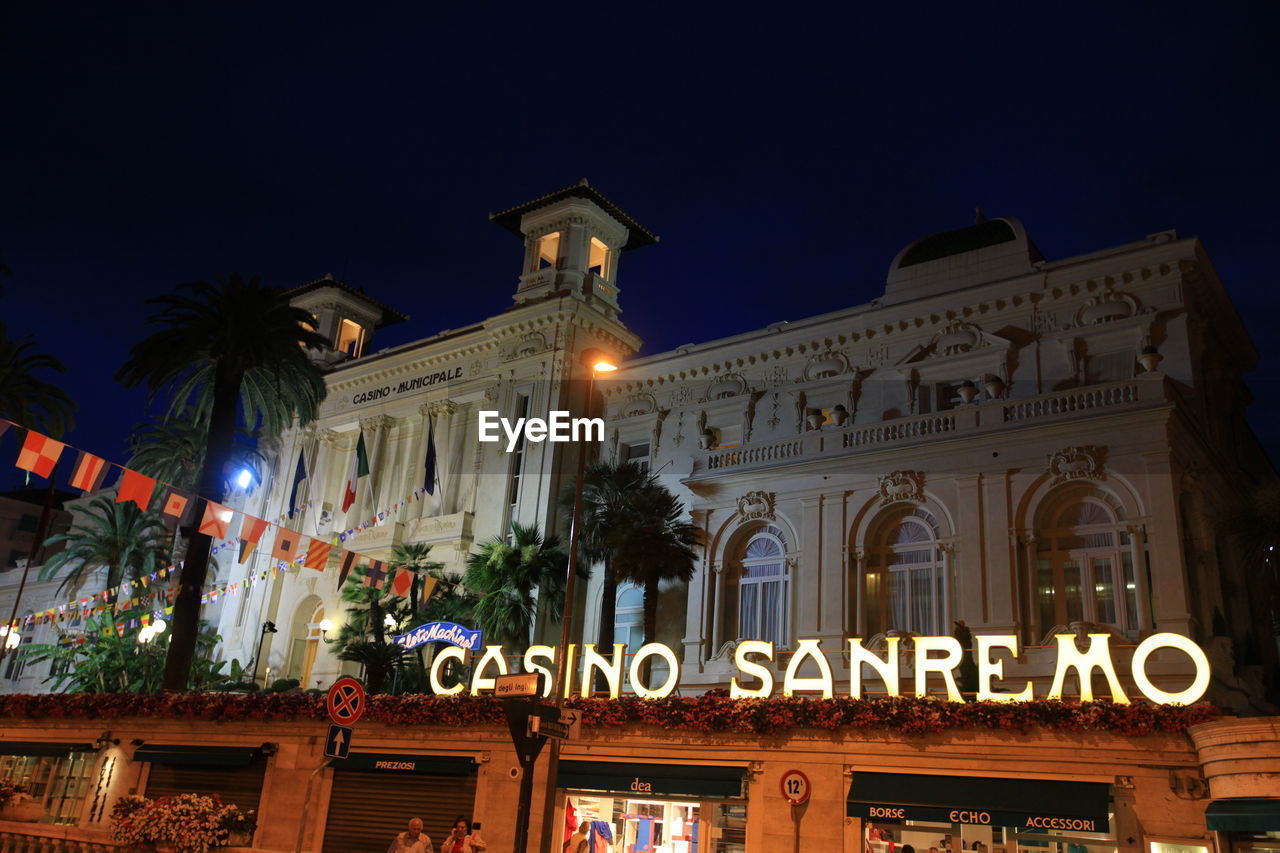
{"points": [[595, 361], [267, 628]]}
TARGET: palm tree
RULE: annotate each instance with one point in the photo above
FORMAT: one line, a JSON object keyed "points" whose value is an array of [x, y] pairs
{"points": [[415, 557], [225, 346], [656, 544], [27, 399], [118, 537], [172, 450], [607, 491], [505, 575]]}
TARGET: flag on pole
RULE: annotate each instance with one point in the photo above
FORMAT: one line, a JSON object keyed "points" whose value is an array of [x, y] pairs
{"points": [[251, 531], [299, 474], [348, 563], [89, 472], [135, 487], [216, 520], [359, 468], [403, 582], [431, 456], [39, 453]]}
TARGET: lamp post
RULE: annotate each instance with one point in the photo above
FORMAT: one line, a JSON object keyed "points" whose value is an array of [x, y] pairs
{"points": [[595, 361], [267, 628]]}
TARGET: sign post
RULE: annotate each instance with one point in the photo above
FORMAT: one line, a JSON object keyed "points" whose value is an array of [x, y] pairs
{"points": [[519, 694], [346, 703]]}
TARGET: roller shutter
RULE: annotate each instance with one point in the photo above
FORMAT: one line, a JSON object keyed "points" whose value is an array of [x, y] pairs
{"points": [[240, 785], [368, 808]]}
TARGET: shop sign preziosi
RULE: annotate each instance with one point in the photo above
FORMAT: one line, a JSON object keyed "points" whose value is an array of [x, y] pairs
{"points": [[937, 655]]}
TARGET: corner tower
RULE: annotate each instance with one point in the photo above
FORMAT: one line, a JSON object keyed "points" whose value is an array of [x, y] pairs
{"points": [[573, 239], [343, 314]]}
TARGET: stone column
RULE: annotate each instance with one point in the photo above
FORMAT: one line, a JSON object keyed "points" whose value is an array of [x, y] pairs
{"points": [[807, 575], [1169, 589], [697, 630], [969, 581]]}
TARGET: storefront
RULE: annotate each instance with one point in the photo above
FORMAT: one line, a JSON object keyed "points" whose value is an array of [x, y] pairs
{"points": [[1244, 824], [986, 815], [657, 808], [375, 794], [234, 773], [57, 774]]}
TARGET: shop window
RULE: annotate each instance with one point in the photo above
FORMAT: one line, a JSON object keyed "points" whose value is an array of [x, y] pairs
{"points": [[548, 254], [60, 783], [517, 467], [351, 338], [904, 582], [16, 662], [637, 454], [757, 605], [598, 259], [1085, 563]]}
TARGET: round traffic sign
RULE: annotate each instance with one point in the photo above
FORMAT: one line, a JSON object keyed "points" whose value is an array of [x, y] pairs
{"points": [[346, 701], [795, 787]]}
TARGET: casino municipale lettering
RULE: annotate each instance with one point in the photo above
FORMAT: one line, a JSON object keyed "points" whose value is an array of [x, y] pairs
{"points": [[938, 655]]}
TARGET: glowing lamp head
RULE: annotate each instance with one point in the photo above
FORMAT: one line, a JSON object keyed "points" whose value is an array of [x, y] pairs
{"points": [[159, 625], [599, 361], [12, 639], [389, 621], [326, 625], [245, 478]]}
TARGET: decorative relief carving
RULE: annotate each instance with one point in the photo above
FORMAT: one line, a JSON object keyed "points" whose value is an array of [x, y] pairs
{"points": [[377, 422], [329, 436], [729, 385], [757, 505], [1076, 463], [491, 395], [901, 486], [956, 338], [681, 397], [877, 355], [638, 404], [776, 375], [826, 365], [1110, 304]]}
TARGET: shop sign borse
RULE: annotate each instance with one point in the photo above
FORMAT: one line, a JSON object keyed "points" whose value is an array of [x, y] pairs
{"points": [[938, 655]]}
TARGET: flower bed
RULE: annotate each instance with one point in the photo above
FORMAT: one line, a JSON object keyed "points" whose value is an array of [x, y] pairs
{"points": [[189, 823], [711, 712]]}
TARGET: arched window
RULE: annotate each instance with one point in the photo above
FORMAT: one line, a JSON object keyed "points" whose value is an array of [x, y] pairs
{"points": [[757, 604], [629, 618], [1084, 563], [904, 578], [307, 637]]}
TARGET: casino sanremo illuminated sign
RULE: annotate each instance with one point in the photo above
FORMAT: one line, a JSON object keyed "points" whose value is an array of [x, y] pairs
{"points": [[937, 655]]}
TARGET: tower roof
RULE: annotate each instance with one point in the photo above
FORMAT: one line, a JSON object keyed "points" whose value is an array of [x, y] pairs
{"points": [[637, 235], [390, 316]]}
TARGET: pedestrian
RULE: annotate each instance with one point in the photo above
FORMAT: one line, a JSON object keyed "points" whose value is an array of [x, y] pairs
{"points": [[463, 839], [412, 840]]}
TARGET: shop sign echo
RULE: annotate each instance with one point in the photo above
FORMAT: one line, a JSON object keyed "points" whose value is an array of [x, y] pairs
{"points": [[937, 655]]}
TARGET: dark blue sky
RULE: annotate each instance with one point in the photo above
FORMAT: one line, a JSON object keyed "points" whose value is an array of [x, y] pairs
{"points": [[784, 156]]}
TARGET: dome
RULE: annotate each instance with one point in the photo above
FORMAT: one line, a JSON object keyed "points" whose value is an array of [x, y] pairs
{"points": [[989, 250]]}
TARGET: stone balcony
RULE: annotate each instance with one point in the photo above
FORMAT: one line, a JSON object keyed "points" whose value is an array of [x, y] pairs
{"points": [[970, 420]]}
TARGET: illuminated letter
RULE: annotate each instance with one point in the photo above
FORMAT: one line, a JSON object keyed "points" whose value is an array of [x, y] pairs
{"points": [[1176, 641], [448, 653], [492, 654], [792, 682], [541, 653], [989, 669], [887, 668], [942, 666], [673, 671], [592, 660], [1099, 655], [568, 670], [746, 667]]}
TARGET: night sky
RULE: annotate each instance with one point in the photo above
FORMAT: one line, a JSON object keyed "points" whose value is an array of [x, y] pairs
{"points": [[783, 156]]}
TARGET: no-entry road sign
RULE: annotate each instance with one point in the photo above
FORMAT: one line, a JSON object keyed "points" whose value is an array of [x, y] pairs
{"points": [[346, 701]]}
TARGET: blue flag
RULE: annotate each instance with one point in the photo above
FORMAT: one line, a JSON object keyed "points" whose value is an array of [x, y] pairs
{"points": [[299, 475], [431, 457]]}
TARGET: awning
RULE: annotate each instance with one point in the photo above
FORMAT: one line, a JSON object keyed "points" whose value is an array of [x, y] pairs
{"points": [[681, 780], [197, 756], [1026, 803], [389, 762], [1244, 814], [15, 747]]}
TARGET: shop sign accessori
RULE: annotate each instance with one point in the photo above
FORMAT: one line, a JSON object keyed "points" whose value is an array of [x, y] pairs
{"points": [[937, 655]]}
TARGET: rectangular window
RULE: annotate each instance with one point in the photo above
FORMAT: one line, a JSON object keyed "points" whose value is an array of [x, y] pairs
{"points": [[351, 338], [59, 783], [598, 261], [637, 453], [517, 464]]}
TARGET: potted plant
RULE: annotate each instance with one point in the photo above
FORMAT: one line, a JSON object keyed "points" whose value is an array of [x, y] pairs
{"points": [[707, 439], [967, 390], [238, 825], [126, 825], [1150, 358], [186, 823], [16, 802]]}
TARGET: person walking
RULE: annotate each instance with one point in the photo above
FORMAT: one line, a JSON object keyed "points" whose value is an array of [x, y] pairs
{"points": [[462, 839], [412, 840]]}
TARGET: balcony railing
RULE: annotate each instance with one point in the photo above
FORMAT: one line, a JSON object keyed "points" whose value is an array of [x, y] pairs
{"points": [[962, 421]]}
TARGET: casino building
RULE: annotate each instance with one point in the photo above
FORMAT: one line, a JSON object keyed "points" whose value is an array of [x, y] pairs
{"points": [[1033, 447]]}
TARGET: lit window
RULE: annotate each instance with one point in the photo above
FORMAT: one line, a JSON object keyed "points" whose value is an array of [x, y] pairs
{"points": [[904, 584], [758, 604], [598, 262], [548, 251], [351, 338], [629, 618]]}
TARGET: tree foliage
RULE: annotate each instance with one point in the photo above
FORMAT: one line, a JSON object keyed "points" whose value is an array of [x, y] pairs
{"points": [[505, 575], [26, 397], [117, 539]]}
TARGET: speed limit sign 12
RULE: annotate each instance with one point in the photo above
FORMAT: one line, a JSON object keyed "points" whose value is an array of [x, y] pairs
{"points": [[795, 787]]}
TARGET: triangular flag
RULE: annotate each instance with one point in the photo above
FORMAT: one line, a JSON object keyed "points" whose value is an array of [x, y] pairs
{"points": [[135, 487], [428, 587], [318, 555], [88, 473], [348, 563], [359, 468], [403, 582], [39, 454], [251, 530], [216, 520]]}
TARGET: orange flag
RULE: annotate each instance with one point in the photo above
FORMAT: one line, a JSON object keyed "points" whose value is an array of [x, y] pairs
{"points": [[216, 520], [89, 472], [318, 555], [39, 454], [250, 533], [286, 548], [135, 487]]}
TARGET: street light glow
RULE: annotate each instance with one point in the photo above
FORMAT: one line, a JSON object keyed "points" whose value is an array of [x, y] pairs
{"points": [[244, 478]]}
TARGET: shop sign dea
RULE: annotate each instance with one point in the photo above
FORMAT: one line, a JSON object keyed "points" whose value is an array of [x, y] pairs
{"points": [[938, 655]]}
